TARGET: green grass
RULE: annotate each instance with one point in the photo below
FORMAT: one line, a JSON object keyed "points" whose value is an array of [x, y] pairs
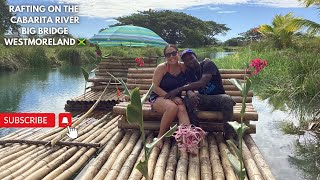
{"points": [[289, 75]]}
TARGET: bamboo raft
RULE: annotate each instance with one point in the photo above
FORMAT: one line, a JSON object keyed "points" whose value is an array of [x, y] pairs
{"points": [[117, 66], [118, 153], [209, 120]]}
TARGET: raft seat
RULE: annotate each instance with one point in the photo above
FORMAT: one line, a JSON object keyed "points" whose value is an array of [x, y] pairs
{"points": [[210, 121]]}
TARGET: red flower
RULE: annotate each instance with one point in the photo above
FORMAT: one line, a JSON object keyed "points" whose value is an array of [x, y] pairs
{"points": [[118, 92], [139, 62], [98, 53], [258, 65]]}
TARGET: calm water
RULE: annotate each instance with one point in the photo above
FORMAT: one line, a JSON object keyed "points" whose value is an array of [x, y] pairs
{"points": [[48, 90]]}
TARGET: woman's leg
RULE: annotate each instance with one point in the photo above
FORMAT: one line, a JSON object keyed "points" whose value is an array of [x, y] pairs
{"points": [[183, 115], [169, 110]]}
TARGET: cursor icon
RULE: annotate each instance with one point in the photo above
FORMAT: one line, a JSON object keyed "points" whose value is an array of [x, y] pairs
{"points": [[72, 133]]}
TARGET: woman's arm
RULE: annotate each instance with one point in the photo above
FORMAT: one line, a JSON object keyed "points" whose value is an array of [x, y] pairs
{"points": [[157, 77]]}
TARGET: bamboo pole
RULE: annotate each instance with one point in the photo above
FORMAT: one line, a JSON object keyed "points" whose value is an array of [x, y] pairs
{"points": [[63, 133], [123, 155], [60, 143], [21, 167], [217, 170], [194, 166], [80, 162], [228, 171], [160, 168], [258, 158], [251, 167], [205, 165], [136, 174], [172, 163], [129, 163], [113, 156], [58, 157], [182, 166]]}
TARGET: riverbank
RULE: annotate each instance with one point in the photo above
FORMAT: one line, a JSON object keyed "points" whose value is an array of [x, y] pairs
{"points": [[291, 79], [26, 57]]}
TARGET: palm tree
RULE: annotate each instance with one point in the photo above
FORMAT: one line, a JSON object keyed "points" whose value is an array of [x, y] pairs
{"points": [[312, 27], [281, 31]]}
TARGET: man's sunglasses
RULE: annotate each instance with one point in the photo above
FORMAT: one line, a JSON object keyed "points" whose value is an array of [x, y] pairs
{"points": [[174, 53]]}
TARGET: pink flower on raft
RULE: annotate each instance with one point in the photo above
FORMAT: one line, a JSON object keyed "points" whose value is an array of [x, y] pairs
{"points": [[188, 137], [258, 65]]}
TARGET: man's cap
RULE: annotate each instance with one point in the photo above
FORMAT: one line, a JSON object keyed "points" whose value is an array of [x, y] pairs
{"points": [[187, 51]]}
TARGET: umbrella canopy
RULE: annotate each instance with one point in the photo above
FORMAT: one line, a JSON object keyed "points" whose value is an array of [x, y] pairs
{"points": [[127, 36]]}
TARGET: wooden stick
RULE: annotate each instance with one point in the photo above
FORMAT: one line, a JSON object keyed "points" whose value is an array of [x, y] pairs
{"points": [[160, 168], [63, 133], [80, 162], [128, 166], [228, 171], [122, 156], [205, 165], [182, 166], [94, 168], [172, 163], [194, 166], [217, 170], [258, 158], [113, 156], [152, 162], [251, 167], [60, 143]]}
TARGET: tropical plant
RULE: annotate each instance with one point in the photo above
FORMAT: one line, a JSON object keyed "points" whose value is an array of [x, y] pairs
{"points": [[281, 31], [86, 78], [237, 162]]}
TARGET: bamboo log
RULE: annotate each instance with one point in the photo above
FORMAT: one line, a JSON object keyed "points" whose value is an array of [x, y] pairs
{"points": [[63, 133], [14, 134], [139, 76], [217, 170], [228, 171], [172, 163], [194, 166], [56, 158], [107, 166], [148, 114], [160, 168], [229, 76], [233, 71], [182, 166], [136, 174], [123, 155], [61, 143], [258, 158], [251, 167], [205, 165], [129, 164], [79, 163], [94, 168]]}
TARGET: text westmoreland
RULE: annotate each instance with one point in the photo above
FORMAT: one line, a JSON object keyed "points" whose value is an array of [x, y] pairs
{"points": [[39, 41]]}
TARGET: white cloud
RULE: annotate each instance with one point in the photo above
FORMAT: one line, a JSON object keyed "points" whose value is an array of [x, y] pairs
{"points": [[116, 8], [226, 12], [111, 20]]}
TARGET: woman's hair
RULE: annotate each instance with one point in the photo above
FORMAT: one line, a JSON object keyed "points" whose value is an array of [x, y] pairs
{"points": [[170, 45]]}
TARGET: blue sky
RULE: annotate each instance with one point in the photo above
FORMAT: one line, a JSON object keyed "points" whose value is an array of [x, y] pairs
{"points": [[238, 15]]}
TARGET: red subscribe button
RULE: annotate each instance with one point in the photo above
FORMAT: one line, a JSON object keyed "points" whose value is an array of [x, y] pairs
{"points": [[26, 120]]}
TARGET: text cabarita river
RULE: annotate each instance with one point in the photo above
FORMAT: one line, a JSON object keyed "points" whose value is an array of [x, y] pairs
{"points": [[39, 41]]}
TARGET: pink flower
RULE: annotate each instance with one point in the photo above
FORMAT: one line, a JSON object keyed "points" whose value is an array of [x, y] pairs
{"points": [[188, 137], [258, 65]]}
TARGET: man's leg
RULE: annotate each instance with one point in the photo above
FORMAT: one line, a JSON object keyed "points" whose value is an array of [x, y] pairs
{"points": [[191, 108], [221, 102]]}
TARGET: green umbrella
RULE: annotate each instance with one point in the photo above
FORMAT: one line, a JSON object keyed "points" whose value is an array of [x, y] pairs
{"points": [[127, 36]]}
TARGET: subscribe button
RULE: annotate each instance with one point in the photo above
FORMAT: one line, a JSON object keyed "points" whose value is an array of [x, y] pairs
{"points": [[22, 120]]}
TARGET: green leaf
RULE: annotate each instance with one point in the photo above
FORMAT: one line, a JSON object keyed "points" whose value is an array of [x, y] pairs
{"points": [[237, 127], [234, 147], [143, 168], [85, 74], [126, 90], [134, 109], [151, 145], [234, 161], [237, 83], [144, 97]]}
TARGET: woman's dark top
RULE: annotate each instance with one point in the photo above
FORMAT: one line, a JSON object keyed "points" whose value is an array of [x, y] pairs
{"points": [[168, 83]]}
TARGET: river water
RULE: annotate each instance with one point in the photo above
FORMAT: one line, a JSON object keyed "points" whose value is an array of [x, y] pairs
{"points": [[48, 90]]}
